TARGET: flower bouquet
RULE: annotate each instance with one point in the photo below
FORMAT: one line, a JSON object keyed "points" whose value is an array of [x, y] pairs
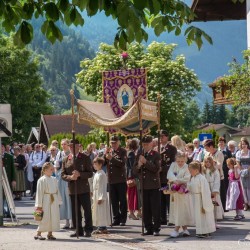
{"points": [[180, 188], [38, 214], [166, 190]]}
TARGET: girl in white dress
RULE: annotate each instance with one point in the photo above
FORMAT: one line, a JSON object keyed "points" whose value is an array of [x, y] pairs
{"points": [[202, 202], [48, 199], [179, 174], [100, 211], [213, 177]]}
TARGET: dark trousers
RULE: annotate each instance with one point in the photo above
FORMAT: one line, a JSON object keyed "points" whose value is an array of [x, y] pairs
{"points": [[226, 181], [165, 200], [37, 175], [152, 210], [223, 194], [118, 196], [83, 200]]}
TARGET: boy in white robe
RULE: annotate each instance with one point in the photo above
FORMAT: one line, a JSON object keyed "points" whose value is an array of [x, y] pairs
{"points": [[202, 202], [100, 208], [48, 199]]}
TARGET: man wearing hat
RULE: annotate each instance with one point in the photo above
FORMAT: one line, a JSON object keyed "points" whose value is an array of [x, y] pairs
{"points": [[168, 153], [116, 160], [80, 173], [148, 166]]}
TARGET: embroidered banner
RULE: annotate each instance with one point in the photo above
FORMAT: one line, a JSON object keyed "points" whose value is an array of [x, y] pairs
{"points": [[120, 88]]}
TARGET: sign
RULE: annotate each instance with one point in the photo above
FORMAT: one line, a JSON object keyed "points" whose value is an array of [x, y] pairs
{"points": [[203, 137]]}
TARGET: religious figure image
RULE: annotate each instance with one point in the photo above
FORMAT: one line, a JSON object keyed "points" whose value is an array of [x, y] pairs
{"points": [[125, 97]]}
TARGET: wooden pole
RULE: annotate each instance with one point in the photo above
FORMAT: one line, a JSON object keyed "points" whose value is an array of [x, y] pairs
{"points": [[159, 120], [141, 179], [74, 156]]}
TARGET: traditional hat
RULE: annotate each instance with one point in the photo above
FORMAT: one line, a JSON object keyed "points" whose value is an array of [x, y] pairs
{"points": [[164, 132], [147, 139], [74, 141], [114, 138]]}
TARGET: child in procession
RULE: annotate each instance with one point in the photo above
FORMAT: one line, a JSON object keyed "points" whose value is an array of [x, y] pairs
{"points": [[178, 176], [202, 202], [213, 178], [47, 200], [100, 211], [235, 200]]}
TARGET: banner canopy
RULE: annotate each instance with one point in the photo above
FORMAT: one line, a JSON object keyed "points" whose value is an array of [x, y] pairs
{"points": [[101, 115]]}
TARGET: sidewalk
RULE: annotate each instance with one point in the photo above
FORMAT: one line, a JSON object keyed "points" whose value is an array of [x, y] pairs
{"points": [[231, 235]]}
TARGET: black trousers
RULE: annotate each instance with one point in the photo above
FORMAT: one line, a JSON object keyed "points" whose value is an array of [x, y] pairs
{"points": [[226, 180], [223, 194], [83, 200], [165, 201], [37, 175], [152, 209], [118, 194]]}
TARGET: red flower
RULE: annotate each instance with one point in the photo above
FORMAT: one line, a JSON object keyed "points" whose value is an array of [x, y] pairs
{"points": [[124, 55]]}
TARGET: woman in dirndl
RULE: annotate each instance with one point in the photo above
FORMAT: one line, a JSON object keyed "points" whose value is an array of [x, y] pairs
{"points": [[19, 163]]}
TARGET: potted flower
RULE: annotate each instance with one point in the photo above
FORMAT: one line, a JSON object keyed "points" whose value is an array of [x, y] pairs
{"points": [[38, 214]]}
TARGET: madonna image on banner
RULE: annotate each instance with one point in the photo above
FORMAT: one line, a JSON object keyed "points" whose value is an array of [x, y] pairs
{"points": [[125, 97]]}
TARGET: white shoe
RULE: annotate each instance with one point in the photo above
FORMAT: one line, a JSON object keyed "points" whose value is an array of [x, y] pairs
{"points": [[174, 234], [185, 233]]}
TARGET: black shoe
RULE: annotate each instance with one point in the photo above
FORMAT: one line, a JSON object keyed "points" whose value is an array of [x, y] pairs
{"points": [[115, 223], [170, 224], [74, 235], [87, 234], [122, 224], [148, 233], [156, 234]]}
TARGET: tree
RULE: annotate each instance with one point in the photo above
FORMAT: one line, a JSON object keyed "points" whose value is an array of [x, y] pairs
{"points": [[21, 86], [237, 83], [206, 114], [176, 83], [60, 63], [222, 114], [132, 16]]}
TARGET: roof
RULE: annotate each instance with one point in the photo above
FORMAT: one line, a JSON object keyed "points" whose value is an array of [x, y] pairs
{"points": [[244, 132], [55, 124], [217, 127], [34, 135], [218, 10]]}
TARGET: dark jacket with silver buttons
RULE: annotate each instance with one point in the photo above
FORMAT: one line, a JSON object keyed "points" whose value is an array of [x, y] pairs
{"points": [[116, 166], [150, 170], [83, 166]]}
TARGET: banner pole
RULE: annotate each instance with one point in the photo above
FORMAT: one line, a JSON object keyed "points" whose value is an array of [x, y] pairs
{"points": [[110, 208], [141, 179], [74, 156]]}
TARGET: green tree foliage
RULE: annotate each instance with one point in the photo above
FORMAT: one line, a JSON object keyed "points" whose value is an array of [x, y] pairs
{"points": [[21, 86], [238, 81], [206, 114], [132, 16], [239, 116], [167, 75], [191, 120], [60, 63]]}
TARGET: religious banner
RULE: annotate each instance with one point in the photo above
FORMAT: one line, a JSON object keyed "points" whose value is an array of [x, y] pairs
{"points": [[120, 88]]}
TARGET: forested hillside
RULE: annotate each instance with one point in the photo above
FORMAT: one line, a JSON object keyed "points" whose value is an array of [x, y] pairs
{"points": [[59, 63]]}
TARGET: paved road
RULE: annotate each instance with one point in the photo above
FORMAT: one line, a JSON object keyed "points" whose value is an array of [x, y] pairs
{"points": [[231, 235]]}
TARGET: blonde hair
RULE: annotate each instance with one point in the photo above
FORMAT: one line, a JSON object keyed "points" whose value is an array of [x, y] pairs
{"points": [[46, 166], [196, 165], [231, 161], [211, 161], [178, 142], [180, 155]]}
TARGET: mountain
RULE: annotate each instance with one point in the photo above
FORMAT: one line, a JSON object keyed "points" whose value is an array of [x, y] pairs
{"points": [[229, 40]]}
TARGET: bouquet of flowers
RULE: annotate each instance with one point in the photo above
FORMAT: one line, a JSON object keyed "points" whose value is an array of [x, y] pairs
{"points": [[180, 188], [38, 214]]}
